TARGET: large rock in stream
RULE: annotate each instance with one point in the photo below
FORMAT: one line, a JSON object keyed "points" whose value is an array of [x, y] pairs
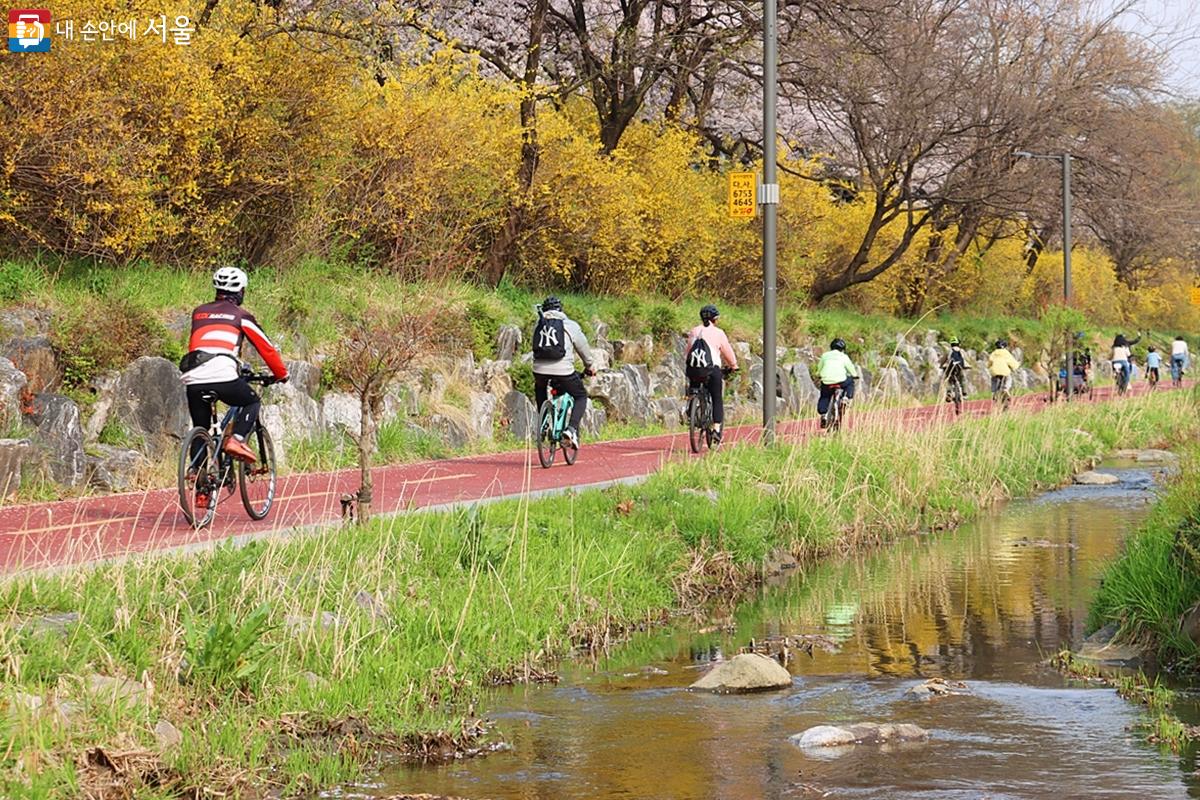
{"points": [[747, 672], [823, 736], [1100, 650], [1093, 478]]}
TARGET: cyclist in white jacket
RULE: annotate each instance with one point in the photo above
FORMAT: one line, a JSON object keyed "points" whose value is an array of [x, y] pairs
{"points": [[557, 340]]}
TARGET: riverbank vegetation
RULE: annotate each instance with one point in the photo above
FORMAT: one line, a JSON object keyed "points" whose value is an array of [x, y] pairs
{"points": [[295, 663], [1152, 592]]}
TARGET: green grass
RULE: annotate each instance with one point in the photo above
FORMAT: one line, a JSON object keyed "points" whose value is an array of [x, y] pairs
{"points": [[299, 306], [1156, 581], [227, 637]]}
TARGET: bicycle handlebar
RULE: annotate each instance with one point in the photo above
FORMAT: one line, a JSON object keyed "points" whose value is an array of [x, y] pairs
{"points": [[263, 378]]}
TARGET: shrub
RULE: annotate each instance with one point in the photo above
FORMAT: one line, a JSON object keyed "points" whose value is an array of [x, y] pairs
{"points": [[630, 317], [19, 280], [521, 373], [662, 319], [484, 324], [93, 337]]}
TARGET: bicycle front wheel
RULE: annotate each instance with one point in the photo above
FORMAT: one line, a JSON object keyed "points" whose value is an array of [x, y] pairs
{"points": [[198, 479], [545, 442], [257, 481]]}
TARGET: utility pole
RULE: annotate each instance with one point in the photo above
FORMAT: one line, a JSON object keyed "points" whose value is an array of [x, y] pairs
{"points": [[1066, 178], [1065, 160], [768, 198]]}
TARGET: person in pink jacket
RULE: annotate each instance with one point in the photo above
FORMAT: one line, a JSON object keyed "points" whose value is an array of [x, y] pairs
{"points": [[708, 355]]}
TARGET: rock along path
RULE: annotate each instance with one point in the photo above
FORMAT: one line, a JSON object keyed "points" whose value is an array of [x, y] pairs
{"points": [[44, 535]]}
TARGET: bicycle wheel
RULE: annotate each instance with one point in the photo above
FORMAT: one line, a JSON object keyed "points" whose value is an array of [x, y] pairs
{"points": [[257, 481], [570, 453], [957, 397], [545, 444], [695, 422], [707, 420], [198, 481], [831, 413]]}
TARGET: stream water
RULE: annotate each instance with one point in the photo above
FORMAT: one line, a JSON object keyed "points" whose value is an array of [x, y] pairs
{"points": [[986, 604]]}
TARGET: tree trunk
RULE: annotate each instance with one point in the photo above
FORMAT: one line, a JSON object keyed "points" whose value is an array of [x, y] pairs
{"points": [[854, 273], [1037, 243], [503, 247], [366, 453]]}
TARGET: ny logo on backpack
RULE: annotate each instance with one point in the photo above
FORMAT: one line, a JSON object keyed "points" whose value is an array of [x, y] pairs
{"points": [[549, 340], [699, 356]]}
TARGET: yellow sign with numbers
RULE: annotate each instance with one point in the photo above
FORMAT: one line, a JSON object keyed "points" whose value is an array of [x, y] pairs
{"points": [[742, 202]]}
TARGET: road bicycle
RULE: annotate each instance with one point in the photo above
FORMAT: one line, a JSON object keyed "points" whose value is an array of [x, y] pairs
{"points": [[555, 414], [836, 412], [206, 471], [701, 432]]}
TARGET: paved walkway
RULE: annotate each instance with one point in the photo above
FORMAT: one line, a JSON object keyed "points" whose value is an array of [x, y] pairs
{"points": [[44, 535]]}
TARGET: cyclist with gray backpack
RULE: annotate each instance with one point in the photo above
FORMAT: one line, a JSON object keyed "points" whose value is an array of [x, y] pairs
{"points": [[708, 355], [557, 340]]}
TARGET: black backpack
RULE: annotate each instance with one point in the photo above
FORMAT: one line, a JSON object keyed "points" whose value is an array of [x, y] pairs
{"points": [[549, 340], [699, 355]]}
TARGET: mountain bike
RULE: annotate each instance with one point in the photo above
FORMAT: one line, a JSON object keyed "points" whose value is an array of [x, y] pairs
{"points": [[206, 471], [701, 433], [555, 414], [954, 392], [1121, 376], [836, 412]]}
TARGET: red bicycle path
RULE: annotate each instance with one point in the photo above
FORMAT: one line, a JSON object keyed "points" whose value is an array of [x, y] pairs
{"points": [[77, 531]]}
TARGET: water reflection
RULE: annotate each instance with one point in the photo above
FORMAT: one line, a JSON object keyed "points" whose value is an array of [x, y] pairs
{"points": [[985, 604]]}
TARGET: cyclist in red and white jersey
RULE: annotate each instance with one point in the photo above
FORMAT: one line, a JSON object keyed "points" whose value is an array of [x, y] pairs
{"points": [[213, 361]]}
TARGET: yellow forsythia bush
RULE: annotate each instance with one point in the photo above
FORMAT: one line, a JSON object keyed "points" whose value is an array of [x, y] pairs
{"points": [[274, 147]]}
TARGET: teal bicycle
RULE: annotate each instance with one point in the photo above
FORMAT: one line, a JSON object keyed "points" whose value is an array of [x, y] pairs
{"points": [[556, 413]]}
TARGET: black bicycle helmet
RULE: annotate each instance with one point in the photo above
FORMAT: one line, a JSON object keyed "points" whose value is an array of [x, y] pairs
{"points": [[1001, 343], [838, 344], [709, 313], [552, 303]]}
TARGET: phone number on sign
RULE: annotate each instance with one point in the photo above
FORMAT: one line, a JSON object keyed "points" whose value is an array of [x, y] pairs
{"points": [[109, 30]]}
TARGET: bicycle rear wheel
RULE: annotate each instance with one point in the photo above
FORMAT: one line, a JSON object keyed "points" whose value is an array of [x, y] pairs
{"points": [[570, 453], [198, 479], [545, 444], [695, 422], [707, 421], [257, 481]]}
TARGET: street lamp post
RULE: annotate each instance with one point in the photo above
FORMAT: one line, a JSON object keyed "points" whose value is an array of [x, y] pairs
{"points": [[1065, 160], [768, 198]]}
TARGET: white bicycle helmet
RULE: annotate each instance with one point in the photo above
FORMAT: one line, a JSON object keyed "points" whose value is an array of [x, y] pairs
{"points": [[230, 279]]}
